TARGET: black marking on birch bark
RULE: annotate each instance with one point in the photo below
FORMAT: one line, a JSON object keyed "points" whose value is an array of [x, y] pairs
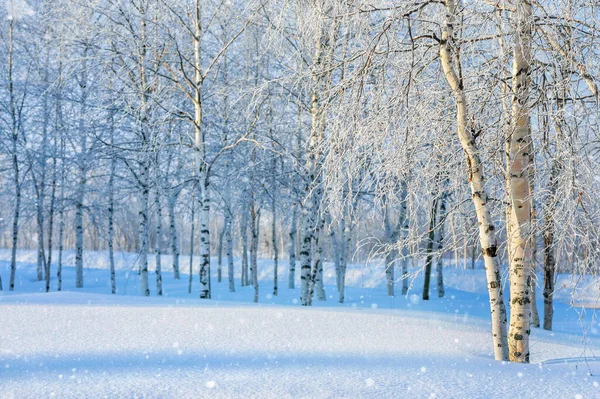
{"points": [[490, 251], [521, 300]]}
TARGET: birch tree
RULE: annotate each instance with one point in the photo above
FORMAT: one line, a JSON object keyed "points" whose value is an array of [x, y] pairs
{"points": [[476, 177]]}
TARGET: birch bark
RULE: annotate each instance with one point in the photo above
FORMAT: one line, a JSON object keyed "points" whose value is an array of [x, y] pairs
{"points": [[476, 178], [520, 185]]}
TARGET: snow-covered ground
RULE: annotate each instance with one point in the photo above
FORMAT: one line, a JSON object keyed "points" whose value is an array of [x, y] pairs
{"points": [[86, 343]]}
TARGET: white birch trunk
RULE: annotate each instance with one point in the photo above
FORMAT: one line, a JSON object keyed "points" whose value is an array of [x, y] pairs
{"points": [[390, 265], [404, 226], [51, 212], [158, 245], [220, 255], [15, 160], [520, 195], [61, 216], [274, 244], [313, 187], [41, 184], [229, 244], [174, 238], [111, 215], [292, 248], [476, 180], [246, 279], [255, 224], [193, 224], [334, 242], [535, 317], [316, 280], [306, 227], [205, 291], [345, 240], [40, 232], [79, 227], [201, 167], [440, 247], [143, 231]]}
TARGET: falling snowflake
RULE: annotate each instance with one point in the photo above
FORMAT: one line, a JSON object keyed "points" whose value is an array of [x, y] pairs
{"points": [[211, 384]]}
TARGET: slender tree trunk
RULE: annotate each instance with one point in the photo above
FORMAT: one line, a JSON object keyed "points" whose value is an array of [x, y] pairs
{"points": [[440, 248], [41, 186], [306, 233], [158, 245], [274, 240], [255, 220], [520, 185], [220, 255], [51, 214], [111, 225], [61, 216], [403, 221], [40, 233], [430, 243], [205, 291], [173, 231], [345, 240], [316, 280], [549, 221], [334, 243], [201, 166], [549, 268], [143, 230], [82, 164], [292, 250], [246, 279], [549, 257], [15, 160], [79, 228], [476, 179], [193, 223], [40, 193], [229, 243], [61, 230], [535, 317], [313, 184], [390, 265], [58, 131]]}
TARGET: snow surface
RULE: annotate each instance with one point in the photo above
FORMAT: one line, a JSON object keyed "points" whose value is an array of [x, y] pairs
{"points": [[86, 343]]}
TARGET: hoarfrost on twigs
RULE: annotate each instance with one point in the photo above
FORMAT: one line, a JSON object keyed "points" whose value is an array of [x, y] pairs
{"points": [[18, 9]]}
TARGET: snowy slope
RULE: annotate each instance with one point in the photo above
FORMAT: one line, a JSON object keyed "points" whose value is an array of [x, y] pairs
{"points": [[90, 344]]}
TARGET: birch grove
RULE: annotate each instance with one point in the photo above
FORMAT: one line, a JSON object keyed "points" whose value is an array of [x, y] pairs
{"points": [[299, 139]]}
